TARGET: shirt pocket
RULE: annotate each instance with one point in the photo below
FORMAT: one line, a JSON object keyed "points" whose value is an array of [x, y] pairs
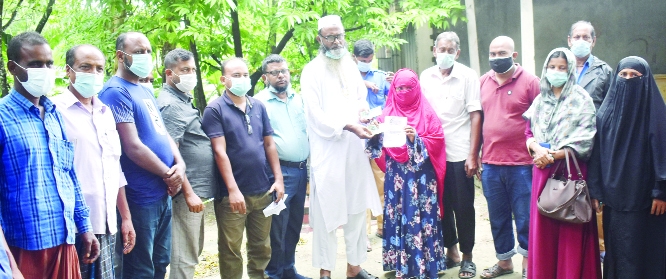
{"points": [[114, 142], [65, 153]]}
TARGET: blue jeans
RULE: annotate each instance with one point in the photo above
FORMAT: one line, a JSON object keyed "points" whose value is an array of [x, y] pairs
{"points": [[508, 190], [152, 252], [286, 227]]}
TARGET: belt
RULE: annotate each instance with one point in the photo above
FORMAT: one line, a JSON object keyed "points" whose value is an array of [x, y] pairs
{"points": [[299, 165]]}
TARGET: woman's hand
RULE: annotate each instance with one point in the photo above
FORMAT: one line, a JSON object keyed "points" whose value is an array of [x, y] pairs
{"points": [[658, 207], [542, 156], [411, 133]]}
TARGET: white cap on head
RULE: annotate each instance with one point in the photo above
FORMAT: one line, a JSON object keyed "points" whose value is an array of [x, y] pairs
{"points": [[330, 20]]}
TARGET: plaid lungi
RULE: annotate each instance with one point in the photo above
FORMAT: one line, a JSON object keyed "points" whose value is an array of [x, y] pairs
{"points": [[102, 268]]}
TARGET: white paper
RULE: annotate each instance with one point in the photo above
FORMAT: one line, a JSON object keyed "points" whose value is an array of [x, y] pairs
{"points": [[394, 131], [275, 208]]}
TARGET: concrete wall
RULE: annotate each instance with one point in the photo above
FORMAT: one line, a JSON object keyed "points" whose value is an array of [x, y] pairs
{"points": [[623, 28]]}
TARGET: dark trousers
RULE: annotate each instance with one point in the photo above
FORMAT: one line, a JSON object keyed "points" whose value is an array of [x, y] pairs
{"points": [[458, 207], [286, 227]]}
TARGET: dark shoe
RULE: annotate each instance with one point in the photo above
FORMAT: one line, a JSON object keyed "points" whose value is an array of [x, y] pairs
{"points": [[325, 277], [495, 271], [525, 273], [363, 275], [450, 263], [298, 276], [467, 267]]}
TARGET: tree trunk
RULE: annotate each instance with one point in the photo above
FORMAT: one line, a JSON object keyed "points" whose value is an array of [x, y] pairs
{"points": [[3, 73], [235, 31], [45, 17], [199, 95]]}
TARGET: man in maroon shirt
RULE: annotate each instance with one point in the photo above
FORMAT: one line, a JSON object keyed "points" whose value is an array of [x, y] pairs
{"points": [[507, 91]]}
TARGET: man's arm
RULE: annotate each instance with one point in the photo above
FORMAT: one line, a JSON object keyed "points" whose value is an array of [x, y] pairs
{"points": [[274, 162], [236, 199], [177, 171], [138, 152], [16, 273], [126, 228], [472, 163]]}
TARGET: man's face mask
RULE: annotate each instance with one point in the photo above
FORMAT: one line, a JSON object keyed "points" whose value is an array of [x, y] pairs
{"points": [[40, 80]]}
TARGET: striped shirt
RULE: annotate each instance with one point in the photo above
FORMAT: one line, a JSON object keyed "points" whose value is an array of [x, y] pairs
{"points": [[40, 197]]}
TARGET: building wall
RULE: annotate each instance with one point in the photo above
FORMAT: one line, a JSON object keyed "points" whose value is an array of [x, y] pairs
{"points": [[623, 28]]}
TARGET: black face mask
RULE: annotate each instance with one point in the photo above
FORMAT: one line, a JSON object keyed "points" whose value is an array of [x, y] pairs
{"points": [[502, 64]]}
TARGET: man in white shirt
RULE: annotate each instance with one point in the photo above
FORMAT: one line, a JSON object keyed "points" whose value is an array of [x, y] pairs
{"points": [[91, 127], [341, 178], [453, 91]]}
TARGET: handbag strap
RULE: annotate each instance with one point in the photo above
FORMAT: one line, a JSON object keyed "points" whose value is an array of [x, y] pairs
{"points": [[573, 155]]}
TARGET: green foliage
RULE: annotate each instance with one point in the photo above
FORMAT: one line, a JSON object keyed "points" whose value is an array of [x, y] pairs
{"points": [[263, 24]]}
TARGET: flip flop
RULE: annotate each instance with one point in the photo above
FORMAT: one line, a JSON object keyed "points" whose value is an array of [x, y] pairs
{"points": [[450, 263], [495, 271], [363, 275], [467, 267]]}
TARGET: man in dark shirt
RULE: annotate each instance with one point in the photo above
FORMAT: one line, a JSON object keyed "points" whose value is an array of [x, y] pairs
{"points": [[241, 136], [183, 122]]}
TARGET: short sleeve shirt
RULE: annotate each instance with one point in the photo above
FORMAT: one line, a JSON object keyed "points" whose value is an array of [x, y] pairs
{"points": [[377, 99], [222, 118], [503, 123], [453, 98], [183, 122], [133, 103]]}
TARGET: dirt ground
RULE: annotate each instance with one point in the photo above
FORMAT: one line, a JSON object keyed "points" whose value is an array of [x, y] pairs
{"points": [[484, 253]]}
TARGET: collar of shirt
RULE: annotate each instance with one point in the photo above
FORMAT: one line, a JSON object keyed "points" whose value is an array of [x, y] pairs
{"points": [[229, 102], [272, 96], [68, 99], [455, 72], [185, 97], [27, 105], [516, 74]]}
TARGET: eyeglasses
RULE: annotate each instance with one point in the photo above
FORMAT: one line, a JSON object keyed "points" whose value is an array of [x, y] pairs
{"points": [[249, 126], [278, 72], [332, 38]]}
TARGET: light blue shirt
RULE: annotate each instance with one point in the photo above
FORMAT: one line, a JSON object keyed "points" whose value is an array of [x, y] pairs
{"points": [[377, 99], [586, 66], [287, 118]]}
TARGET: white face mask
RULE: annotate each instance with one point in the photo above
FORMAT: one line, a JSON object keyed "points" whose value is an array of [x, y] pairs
{"points": [[363, 67], [40, 80], [187, 82], [88, 84], [445, 60], [581, 48]]}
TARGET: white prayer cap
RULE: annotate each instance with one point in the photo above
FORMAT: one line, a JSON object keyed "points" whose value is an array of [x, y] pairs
{"points": [[330, 20]]}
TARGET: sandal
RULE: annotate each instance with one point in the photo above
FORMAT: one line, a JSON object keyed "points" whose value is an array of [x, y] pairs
{"points": [[524, 273], [450, 263], [467, 267], [495, 271], [363, 275]]}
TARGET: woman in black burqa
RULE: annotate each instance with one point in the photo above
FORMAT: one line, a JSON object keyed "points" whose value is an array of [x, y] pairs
{"points": [[627, 173]]}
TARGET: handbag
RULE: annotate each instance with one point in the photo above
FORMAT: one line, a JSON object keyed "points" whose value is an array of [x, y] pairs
{"points": [[565, 199]]}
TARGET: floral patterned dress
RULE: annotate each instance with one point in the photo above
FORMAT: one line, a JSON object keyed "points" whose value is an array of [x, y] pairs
{"points": [[412, 244]]}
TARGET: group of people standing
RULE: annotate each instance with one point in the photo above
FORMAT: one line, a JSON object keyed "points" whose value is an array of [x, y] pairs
{"points": [[106, 181]]}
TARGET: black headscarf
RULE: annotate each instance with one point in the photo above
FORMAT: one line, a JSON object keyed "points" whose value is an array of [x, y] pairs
{"points": [[628, 164]]}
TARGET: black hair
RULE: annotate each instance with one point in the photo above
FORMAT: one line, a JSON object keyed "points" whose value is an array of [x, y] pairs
{"points": [[363, 48], [17, 42]]}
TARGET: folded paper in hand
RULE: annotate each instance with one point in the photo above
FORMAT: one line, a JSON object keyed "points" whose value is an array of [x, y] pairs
{"points": [[275, 208]]}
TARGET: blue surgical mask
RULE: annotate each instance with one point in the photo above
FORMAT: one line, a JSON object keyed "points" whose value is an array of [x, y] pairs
{"points": [[88, 84], [240, 86], [556, 78], [581, 48], [142, 64], [363, 67]]}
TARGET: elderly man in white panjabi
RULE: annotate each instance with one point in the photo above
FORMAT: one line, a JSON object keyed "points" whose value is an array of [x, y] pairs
{"points": [[341, 179]]}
